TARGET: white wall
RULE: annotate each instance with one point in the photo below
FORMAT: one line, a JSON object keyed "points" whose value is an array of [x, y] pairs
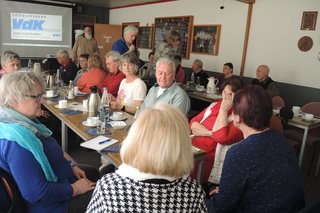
{"points": [[275, 31]]}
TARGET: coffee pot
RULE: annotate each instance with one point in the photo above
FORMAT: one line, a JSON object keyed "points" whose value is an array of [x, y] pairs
{"points": [[211, 86], [50, 81], [93, 101]]}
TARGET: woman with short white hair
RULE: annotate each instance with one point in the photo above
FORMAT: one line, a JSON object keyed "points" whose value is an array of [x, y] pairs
{"points": [[125, 44], [10, 61], [156, 162]]}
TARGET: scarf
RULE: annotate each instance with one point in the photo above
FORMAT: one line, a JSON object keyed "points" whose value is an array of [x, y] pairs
{"points": [[20, 129]]}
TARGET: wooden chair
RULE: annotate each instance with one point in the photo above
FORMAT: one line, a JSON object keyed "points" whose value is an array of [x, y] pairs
{"points": [[278, 102]]}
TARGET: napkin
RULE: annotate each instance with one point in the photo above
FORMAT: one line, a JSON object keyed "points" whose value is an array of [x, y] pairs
{"points": [[70, 112], [93, 132], [54, 99]]}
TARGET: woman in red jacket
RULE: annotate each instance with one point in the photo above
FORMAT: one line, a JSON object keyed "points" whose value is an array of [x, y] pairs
{"points": [[214, 125]]}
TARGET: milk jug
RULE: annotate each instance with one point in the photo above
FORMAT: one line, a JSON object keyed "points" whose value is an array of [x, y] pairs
{"points": [[211, 86]]}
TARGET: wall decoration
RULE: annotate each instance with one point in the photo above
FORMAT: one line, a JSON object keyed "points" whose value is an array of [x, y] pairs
{"points": [[181, 24], [305, 43], [205, 39], [145, 37], [309, 20]]}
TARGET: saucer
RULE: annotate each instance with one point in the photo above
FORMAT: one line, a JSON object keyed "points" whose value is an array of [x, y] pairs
{"points": [[85, 123], [120, 119], [45, 96], [118, 124], [57, 106]]}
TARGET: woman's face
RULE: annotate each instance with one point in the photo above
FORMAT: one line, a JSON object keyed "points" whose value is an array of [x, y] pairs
{"points": [[83, 63], [227, 92], [128, 68], [130, 37], [30, 106]]}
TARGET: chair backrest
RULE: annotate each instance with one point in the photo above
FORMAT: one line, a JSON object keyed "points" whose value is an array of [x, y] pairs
{"points": [[278, 102], [275, 123], [312, 107], [11, 200]]}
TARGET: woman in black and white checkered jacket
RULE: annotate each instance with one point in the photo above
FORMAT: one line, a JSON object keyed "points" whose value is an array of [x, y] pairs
{"points": [[157, 160]]}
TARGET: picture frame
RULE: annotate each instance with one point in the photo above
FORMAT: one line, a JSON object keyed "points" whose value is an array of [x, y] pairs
{"points": [[309, 20], [145, 37], [181, 24], [206, 39]]}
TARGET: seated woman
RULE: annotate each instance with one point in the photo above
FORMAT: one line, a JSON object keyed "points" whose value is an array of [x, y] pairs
{"points": [[48, 178], [260, 174], [155, 166], [132, 90], [83, 59], [213, 125], [94, 77]]}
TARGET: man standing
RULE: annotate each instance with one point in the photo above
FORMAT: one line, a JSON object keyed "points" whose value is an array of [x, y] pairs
{"points": [[10, 61], [85, 44], [265, 81], [68, 69], [166, 89], [199, 73]]}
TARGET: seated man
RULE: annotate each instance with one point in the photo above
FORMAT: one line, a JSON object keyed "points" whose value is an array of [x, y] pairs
{"points": [[265, 81], [10, 61], [166, 89], [227, 73], [114, 76], [68, 69], [198, 72]]}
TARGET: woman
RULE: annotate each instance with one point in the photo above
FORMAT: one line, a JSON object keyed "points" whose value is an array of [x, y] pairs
{"points": [[47, 177], [153, 176], [125, 44], [260, 174], [10, 61], [132, 90], [94, 77], [213, 125], [83, 59]]}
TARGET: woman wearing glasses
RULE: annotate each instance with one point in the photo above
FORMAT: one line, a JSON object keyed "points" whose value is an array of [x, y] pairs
{"points": [[48, 179]]}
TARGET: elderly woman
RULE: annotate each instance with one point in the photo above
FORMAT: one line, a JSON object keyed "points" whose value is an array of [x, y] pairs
{"points": [[153, 176], [125, 44], [94, 77], [214, 125], [83, 60], [132, 90], [10, 61], [260, 174], [48, 178]]}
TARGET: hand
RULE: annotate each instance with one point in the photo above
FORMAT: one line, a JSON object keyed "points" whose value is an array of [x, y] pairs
{"points": [[45, 114], [227, 99], [82, 186], [214, 191], [132, 48], [79, 173]]}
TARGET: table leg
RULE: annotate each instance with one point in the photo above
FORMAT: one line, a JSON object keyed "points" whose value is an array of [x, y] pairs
{"points": [[64, 136], [303, 144]]}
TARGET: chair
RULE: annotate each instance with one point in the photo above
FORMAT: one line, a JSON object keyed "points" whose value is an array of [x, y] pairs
{"points": [[314, 134], [11, 200], [278, 102]]}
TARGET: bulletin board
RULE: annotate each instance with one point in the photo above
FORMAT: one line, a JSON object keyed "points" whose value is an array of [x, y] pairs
{"points": [[181, 24], [145, 37]]}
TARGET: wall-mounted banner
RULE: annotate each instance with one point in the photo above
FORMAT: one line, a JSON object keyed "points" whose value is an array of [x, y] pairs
{"points": [[36, 27]]}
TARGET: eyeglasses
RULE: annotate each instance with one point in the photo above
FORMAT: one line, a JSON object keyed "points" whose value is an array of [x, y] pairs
{"points": [[37, 98]]}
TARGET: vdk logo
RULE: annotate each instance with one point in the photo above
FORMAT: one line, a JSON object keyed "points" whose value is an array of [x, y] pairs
{"points": [[27, 24]]}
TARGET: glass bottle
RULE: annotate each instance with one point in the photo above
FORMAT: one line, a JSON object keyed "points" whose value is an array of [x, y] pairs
{"points": [[71, 90], [192, 79]]}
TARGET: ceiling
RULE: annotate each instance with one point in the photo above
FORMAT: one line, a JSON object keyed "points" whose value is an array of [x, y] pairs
{"points": [[112, 3]]}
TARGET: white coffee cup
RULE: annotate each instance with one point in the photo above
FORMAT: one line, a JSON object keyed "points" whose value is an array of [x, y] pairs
{"points": [[50, 93], [75, 90], [296, 111], [85, 105], [63, 104], [92, 120], [117, 115], [308, 116]]}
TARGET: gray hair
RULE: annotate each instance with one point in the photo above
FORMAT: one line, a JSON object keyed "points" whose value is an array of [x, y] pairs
{"points": [[63, 53], [198, 62], [9, 56], [166, 60], [132, 59], [114, 55], [14, 86], [130, 28]]}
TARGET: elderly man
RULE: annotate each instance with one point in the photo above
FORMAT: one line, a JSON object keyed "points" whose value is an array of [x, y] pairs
{"points": [[167, 90], [114, 76], [68, 69], [125, 44], [199, 73], [10, 61], [85, 44], [265, 81]]}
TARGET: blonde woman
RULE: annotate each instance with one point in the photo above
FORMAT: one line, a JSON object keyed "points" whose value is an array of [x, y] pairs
{"points": [[153, 176]]}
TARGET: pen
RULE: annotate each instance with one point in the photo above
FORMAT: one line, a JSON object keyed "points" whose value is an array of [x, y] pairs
{"points": [[102, 142]]}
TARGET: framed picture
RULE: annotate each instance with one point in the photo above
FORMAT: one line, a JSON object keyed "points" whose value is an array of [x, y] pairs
{"points": [[181, 24], [145, 37], [309, 20], [205, 39]]}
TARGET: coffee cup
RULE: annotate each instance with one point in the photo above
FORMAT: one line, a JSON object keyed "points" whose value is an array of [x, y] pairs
{"points": [[308, 116], [92, 120], [50, 93], [117, 115], [296, 111], [75, 90], [63, 104], [85, 105]]}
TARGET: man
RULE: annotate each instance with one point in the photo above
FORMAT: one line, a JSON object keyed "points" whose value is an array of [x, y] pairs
{"points": [[167, 90], [265, 81], [85, 44], [227, 73], [10, 61], [199, 73], [68, 69], [114, 76]]}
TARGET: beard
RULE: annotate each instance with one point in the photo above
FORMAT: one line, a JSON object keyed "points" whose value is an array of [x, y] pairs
{"points": [[88, 36]]}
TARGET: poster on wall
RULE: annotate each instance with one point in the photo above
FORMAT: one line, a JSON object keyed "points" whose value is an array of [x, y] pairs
{"points": [[181, 24], [205, 39]]}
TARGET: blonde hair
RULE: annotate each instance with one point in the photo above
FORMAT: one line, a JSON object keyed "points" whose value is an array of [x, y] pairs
{"points": [[159, 142], [173, 36], [95, 61]]}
